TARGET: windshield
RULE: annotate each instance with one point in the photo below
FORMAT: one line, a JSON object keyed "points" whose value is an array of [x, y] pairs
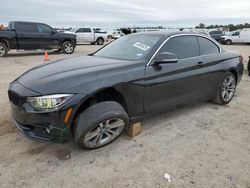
{"points": [[130, 47], [73, 29]]}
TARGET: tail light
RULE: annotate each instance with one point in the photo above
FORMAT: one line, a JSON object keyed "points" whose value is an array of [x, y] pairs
{"points": [[241, 59]]}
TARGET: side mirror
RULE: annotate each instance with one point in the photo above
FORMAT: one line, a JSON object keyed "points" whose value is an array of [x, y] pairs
{"points": [[54, 32], [166, 57]]}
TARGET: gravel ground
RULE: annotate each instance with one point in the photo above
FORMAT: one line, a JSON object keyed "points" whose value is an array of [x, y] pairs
{"points": [[200, 145]]}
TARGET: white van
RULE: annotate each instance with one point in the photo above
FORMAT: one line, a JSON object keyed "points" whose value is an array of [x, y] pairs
{"points": [[239, 36]]}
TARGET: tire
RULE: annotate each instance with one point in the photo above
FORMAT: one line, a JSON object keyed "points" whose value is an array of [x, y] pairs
{"points": [[68, 47], [228, 42], [226, 89], [93, 128], [3, 50], [110, 37], [248, 66], [100, 41]]}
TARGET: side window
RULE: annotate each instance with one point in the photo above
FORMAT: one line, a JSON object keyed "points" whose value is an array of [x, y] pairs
{"points": [[182, 46], [26, 27], [80, 30], [236, 34], [207, 46], [83, 30], [86, 30], [44, 29], [219, 32]]}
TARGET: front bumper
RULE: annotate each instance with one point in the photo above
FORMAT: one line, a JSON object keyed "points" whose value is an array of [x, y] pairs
{"points": [[46, 126], [36, 132]]}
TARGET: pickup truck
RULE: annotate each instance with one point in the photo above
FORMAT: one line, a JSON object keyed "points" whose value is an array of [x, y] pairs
{"points": [[33, 36], [217, 35], [87, 34]]}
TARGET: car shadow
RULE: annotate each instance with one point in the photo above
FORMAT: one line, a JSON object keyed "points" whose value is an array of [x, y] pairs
{"points": [[31, 53], [65, 151], [157, 119]]}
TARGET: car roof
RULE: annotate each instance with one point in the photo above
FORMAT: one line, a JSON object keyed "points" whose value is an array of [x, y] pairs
{"points": [[171, 33], [27, 22]]}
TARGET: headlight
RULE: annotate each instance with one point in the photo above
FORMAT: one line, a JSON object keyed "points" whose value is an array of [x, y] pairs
{"points": [[48, 102]]}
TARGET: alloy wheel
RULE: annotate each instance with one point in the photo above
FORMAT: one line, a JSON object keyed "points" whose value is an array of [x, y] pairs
{"points": [[68, 47], [100, 41], [104, 133], [228, 88], [2, 51]]}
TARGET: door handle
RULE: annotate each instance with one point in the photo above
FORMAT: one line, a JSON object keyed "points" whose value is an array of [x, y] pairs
{"points": [[200, 63]]}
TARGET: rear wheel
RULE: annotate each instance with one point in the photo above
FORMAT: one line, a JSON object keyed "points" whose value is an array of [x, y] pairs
{"points": [[100, 41], [100, 125], [226, 90], [68, 47], [248, 66], [3, 50]]}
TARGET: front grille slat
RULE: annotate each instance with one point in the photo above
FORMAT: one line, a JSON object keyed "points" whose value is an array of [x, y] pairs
{"points": [[16, 98]]}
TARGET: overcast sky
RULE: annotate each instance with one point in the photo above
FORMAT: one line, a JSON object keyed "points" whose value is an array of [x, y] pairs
{"points": [[116, 13]]}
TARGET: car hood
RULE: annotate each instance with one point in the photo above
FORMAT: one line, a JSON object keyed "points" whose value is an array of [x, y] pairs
{"points": [[69, 74], [68, 35], [69, 32]]}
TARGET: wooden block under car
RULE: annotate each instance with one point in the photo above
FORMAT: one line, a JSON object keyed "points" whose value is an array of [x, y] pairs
{"points": [[134, 129]]}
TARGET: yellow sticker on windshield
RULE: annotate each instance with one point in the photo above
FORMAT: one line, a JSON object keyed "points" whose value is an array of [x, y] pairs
{"points": [[141, 46]]}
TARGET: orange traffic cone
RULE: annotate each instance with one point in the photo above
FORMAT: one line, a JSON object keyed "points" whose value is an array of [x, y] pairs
{"points": [[46, 56]]}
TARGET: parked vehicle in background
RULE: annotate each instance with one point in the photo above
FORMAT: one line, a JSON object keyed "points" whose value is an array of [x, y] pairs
{"points": [[88, 35], [99, 30], [217, 34], [248, 66], [117, 33], [239, 36], [33, 36], [93, 98], [199, 31]]}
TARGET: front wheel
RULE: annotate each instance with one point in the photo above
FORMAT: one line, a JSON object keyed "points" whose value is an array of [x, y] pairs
{"points": [[226, 89], [3, 50], [68, 47], [228, 42], [100, 125]]}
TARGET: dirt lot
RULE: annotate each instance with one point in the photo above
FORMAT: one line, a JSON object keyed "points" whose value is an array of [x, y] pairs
{"points": [[201, 145]]}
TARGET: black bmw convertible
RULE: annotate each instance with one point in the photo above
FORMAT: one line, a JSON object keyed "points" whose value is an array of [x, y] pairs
{"points": [[93, 98]]}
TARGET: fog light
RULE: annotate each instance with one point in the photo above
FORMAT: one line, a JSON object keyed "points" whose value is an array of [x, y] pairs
{"points": [[47, 131]]}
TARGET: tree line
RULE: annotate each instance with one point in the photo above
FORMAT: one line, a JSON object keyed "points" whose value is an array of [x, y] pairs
{"points": [[231, 27]]}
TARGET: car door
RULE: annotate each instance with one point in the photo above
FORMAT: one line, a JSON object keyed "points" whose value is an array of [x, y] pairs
{"points": [[84, 35], [211, 58], [49, 39], [236, 37], [80, 35], [173, 84], [27, 36]]}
